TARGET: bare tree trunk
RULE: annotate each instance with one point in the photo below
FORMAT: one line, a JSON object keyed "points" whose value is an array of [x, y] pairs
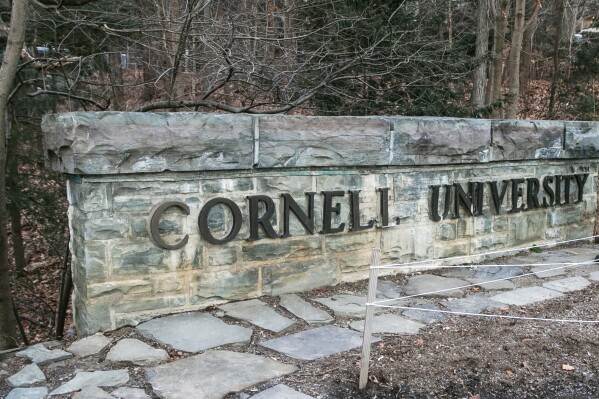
{"points": [[481, 53], [501, 14], [525, 62], [15, 209], [514, 60], [561, 5], [8, 70], [449, 24]]}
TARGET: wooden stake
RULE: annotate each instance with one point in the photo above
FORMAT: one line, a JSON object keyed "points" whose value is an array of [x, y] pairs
{"points": [[365, 361]]}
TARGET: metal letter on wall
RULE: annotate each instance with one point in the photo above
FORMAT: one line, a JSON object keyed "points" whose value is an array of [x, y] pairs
{"points": [[203, 221], [155, 216]]}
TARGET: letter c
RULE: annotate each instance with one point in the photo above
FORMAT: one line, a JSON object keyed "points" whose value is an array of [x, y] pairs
{"points": [[155, 216]]}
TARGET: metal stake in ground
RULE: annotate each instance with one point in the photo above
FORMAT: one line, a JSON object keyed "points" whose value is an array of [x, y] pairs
{"points": [[371, 297]]}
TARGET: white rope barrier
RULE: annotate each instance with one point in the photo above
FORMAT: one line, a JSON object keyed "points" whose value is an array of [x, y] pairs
{"points": [[372, 302], [481, 283], [488, 315]]}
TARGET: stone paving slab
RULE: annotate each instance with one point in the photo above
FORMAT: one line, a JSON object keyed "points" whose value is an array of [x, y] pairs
{"points": [[281, 391], [129, 393], [258, 313], [459, 272], [30, 375], [387, 290], [345, 305], [134, 351], [548, 271], [390, 324], [498, 272], [213, 374], [490, 285], [423, 316], [304, 310], [569, 284], [316, 343], [429, 284], [472, 304], [193, 332], [93, 393], [28, 393], [526, 296], [83, 379], [90, 345], [41, 355]]}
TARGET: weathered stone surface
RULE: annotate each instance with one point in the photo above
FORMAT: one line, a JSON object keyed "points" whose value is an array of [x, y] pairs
{"points": [[316, 141], [489, 273], [284, 278], [434, 286], [304, 310], [281, 391], [30, 375], [345, 305], [41, 355], [387, 290], [424, 316], [28, 393], [258, 313], [90, 345], [390, 324], [92, 393], [83, 379], [548, 271], [429, 140], [490, 284], [526, 296], [193, 332], [134, 351], [471, 304], [570, 284], [121, 142], [520, 139], [582, 140], [594, 276], [213, 374], [129, 393], [316, 343]]}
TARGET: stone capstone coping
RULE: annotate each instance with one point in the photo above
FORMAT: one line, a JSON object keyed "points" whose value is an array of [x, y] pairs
{"points": [[193, 332], [316, 343], [83, 379], [213, 374], [281, 391], [134, 351], [41, 355], [97, 143], [30, 375], [28, 393]]}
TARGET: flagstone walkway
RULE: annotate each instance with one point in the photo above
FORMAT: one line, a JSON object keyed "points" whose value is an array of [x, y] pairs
{"points": [[205, 354]]}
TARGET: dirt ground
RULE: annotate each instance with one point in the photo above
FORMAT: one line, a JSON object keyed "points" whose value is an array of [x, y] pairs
{"points": [[459, 357]]}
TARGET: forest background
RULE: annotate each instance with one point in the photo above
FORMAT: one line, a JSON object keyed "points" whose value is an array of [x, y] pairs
{"points": [[528, 59]]}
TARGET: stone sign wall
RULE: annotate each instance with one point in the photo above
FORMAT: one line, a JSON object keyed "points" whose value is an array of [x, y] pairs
{"points": [[178, 211]]}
